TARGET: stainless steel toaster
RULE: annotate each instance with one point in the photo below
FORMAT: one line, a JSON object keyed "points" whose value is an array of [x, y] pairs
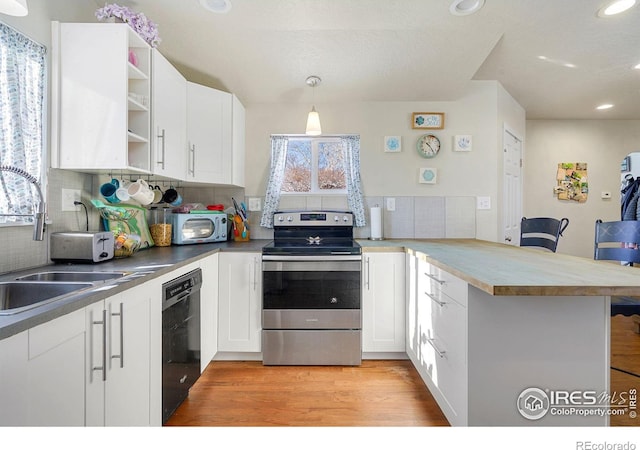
{"points": [[82, 246]]}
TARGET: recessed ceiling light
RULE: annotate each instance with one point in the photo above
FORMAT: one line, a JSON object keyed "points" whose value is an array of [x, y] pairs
{"points": [[465, 7], [216, 6], [605, 106], [615, 7]]}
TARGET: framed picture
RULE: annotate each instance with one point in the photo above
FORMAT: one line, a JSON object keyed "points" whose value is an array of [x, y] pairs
{"points": [[427, 121], [625, 166], [392, 144], [462, 143], [428, 175]]}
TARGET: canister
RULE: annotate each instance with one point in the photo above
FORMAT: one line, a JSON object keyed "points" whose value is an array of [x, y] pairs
{"points": [[160, 227]]}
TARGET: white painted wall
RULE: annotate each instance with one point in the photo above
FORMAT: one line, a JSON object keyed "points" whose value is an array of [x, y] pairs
{"points": [[396, 174], [602, 145]]}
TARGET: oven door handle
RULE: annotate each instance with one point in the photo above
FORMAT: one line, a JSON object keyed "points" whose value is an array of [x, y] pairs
{"points": [[312, 258]]}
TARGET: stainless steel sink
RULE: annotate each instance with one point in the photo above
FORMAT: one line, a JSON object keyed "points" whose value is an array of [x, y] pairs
{"points": [[57, 276], [18, 296]]}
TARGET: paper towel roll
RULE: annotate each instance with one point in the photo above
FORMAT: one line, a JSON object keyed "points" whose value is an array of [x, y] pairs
{"points": [[376, 223]]}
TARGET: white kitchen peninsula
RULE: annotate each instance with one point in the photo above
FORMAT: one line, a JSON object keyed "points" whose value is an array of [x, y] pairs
{"points": [[487, 321]]}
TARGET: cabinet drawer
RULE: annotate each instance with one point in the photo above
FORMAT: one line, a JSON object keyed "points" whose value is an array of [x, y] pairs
{"points": [[43, 338], [448, 372], [448, 321], [443, 281]]}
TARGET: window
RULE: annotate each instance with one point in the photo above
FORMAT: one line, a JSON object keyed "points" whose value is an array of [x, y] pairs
{"points": [[314, 166], [22, 87]]}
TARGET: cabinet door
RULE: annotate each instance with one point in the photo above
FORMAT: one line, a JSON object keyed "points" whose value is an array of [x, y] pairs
{"points": [[127, 386], [118, 361], [238, 149], [209, 310], [383, 303], [55, 384], [14, 353], [101, 118], [240, 293], [169, 102], [209, 134], [411, 286]]}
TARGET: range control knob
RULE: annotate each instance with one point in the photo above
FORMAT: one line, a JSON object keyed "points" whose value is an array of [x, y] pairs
{"points": [[336, 219], [289, 219], [345, 219], [280, 219]]}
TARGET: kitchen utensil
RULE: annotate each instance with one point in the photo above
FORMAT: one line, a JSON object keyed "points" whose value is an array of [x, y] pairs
{"points": [[123, 192], [172, 197]]}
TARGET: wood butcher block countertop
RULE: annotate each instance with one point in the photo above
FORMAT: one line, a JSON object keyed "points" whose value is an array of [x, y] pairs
{"points": [[501, 269]]}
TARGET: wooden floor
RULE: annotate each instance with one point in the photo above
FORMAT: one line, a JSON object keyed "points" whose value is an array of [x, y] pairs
{"points": [[379, 393], [625, 355]]}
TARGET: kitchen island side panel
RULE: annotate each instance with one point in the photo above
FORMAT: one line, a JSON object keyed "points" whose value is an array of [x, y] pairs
{"points": [[551, 343]]}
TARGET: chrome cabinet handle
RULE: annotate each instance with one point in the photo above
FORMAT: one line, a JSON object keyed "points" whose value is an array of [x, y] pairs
{"points": [[441, 353], [255, 276], [435, 299], [121, 355], [103, 322], [192, 151], [368, 261], [434, 278], [161, 136]]}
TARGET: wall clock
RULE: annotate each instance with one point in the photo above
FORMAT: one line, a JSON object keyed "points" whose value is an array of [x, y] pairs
{"points": [[428, 145]]}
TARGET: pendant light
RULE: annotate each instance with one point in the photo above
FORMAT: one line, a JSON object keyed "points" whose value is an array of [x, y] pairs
{"points": [[313, 120], [14, 7]]}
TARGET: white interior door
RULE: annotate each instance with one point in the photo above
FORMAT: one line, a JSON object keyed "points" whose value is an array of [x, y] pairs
{"points": [[512, 175]]}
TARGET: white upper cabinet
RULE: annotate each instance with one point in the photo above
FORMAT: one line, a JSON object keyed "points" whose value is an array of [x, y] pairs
{"points": [[238, 147], [168, 118], [209, 135], [100, 98]]}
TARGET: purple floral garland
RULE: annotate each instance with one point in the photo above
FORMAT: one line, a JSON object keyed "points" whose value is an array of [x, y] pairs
{"points": [[145, 28]]}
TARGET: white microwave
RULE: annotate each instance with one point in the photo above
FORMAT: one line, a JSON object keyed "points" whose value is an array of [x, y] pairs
{"points": [[198, 228]]}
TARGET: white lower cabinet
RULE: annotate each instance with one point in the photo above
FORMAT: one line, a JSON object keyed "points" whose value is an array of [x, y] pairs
{"points": [[42, 374], [437, 335], [14, 358], [383, 302], [240, 291], [209, 310], [118, 359]]}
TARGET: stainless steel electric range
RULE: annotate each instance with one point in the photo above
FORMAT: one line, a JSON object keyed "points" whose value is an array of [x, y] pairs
{"points": [[311, 276]]}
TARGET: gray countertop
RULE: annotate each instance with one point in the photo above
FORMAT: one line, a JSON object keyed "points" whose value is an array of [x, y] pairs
{"points": [[497, 269], [144, 266]]}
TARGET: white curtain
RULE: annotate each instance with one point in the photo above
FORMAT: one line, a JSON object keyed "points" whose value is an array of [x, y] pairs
{"points": [[351, 148], [22, 86], [276, 177]]}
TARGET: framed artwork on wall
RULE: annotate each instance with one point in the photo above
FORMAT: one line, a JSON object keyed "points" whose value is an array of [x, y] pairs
{"points": [[392, 144], [427, 121], [428, 175], [462, 143]]}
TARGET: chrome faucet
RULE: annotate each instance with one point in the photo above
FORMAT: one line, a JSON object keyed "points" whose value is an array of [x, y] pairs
{"points": [[38, 215]]}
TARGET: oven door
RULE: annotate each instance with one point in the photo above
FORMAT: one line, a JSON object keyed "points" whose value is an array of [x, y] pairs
{"points": [[305, 282], [311, 310]]}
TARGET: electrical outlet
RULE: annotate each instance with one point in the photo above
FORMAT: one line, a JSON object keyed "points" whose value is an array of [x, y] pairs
{"points": [[483, 203], [391, 204], [255, 204], [68, 197], [605, 194]]}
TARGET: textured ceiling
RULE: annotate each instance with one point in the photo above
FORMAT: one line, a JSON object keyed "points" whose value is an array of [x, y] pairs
{"points": [[404, 50]]}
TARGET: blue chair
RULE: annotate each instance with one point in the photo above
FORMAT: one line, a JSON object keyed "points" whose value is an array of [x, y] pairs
{"points": [[542, 232], [619, 241]]}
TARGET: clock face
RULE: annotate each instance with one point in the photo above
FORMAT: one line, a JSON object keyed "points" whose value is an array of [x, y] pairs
{"points": [[428, 145]]}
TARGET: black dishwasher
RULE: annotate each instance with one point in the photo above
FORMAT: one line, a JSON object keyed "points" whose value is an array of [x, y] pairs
{"points": [[180, 339]]}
